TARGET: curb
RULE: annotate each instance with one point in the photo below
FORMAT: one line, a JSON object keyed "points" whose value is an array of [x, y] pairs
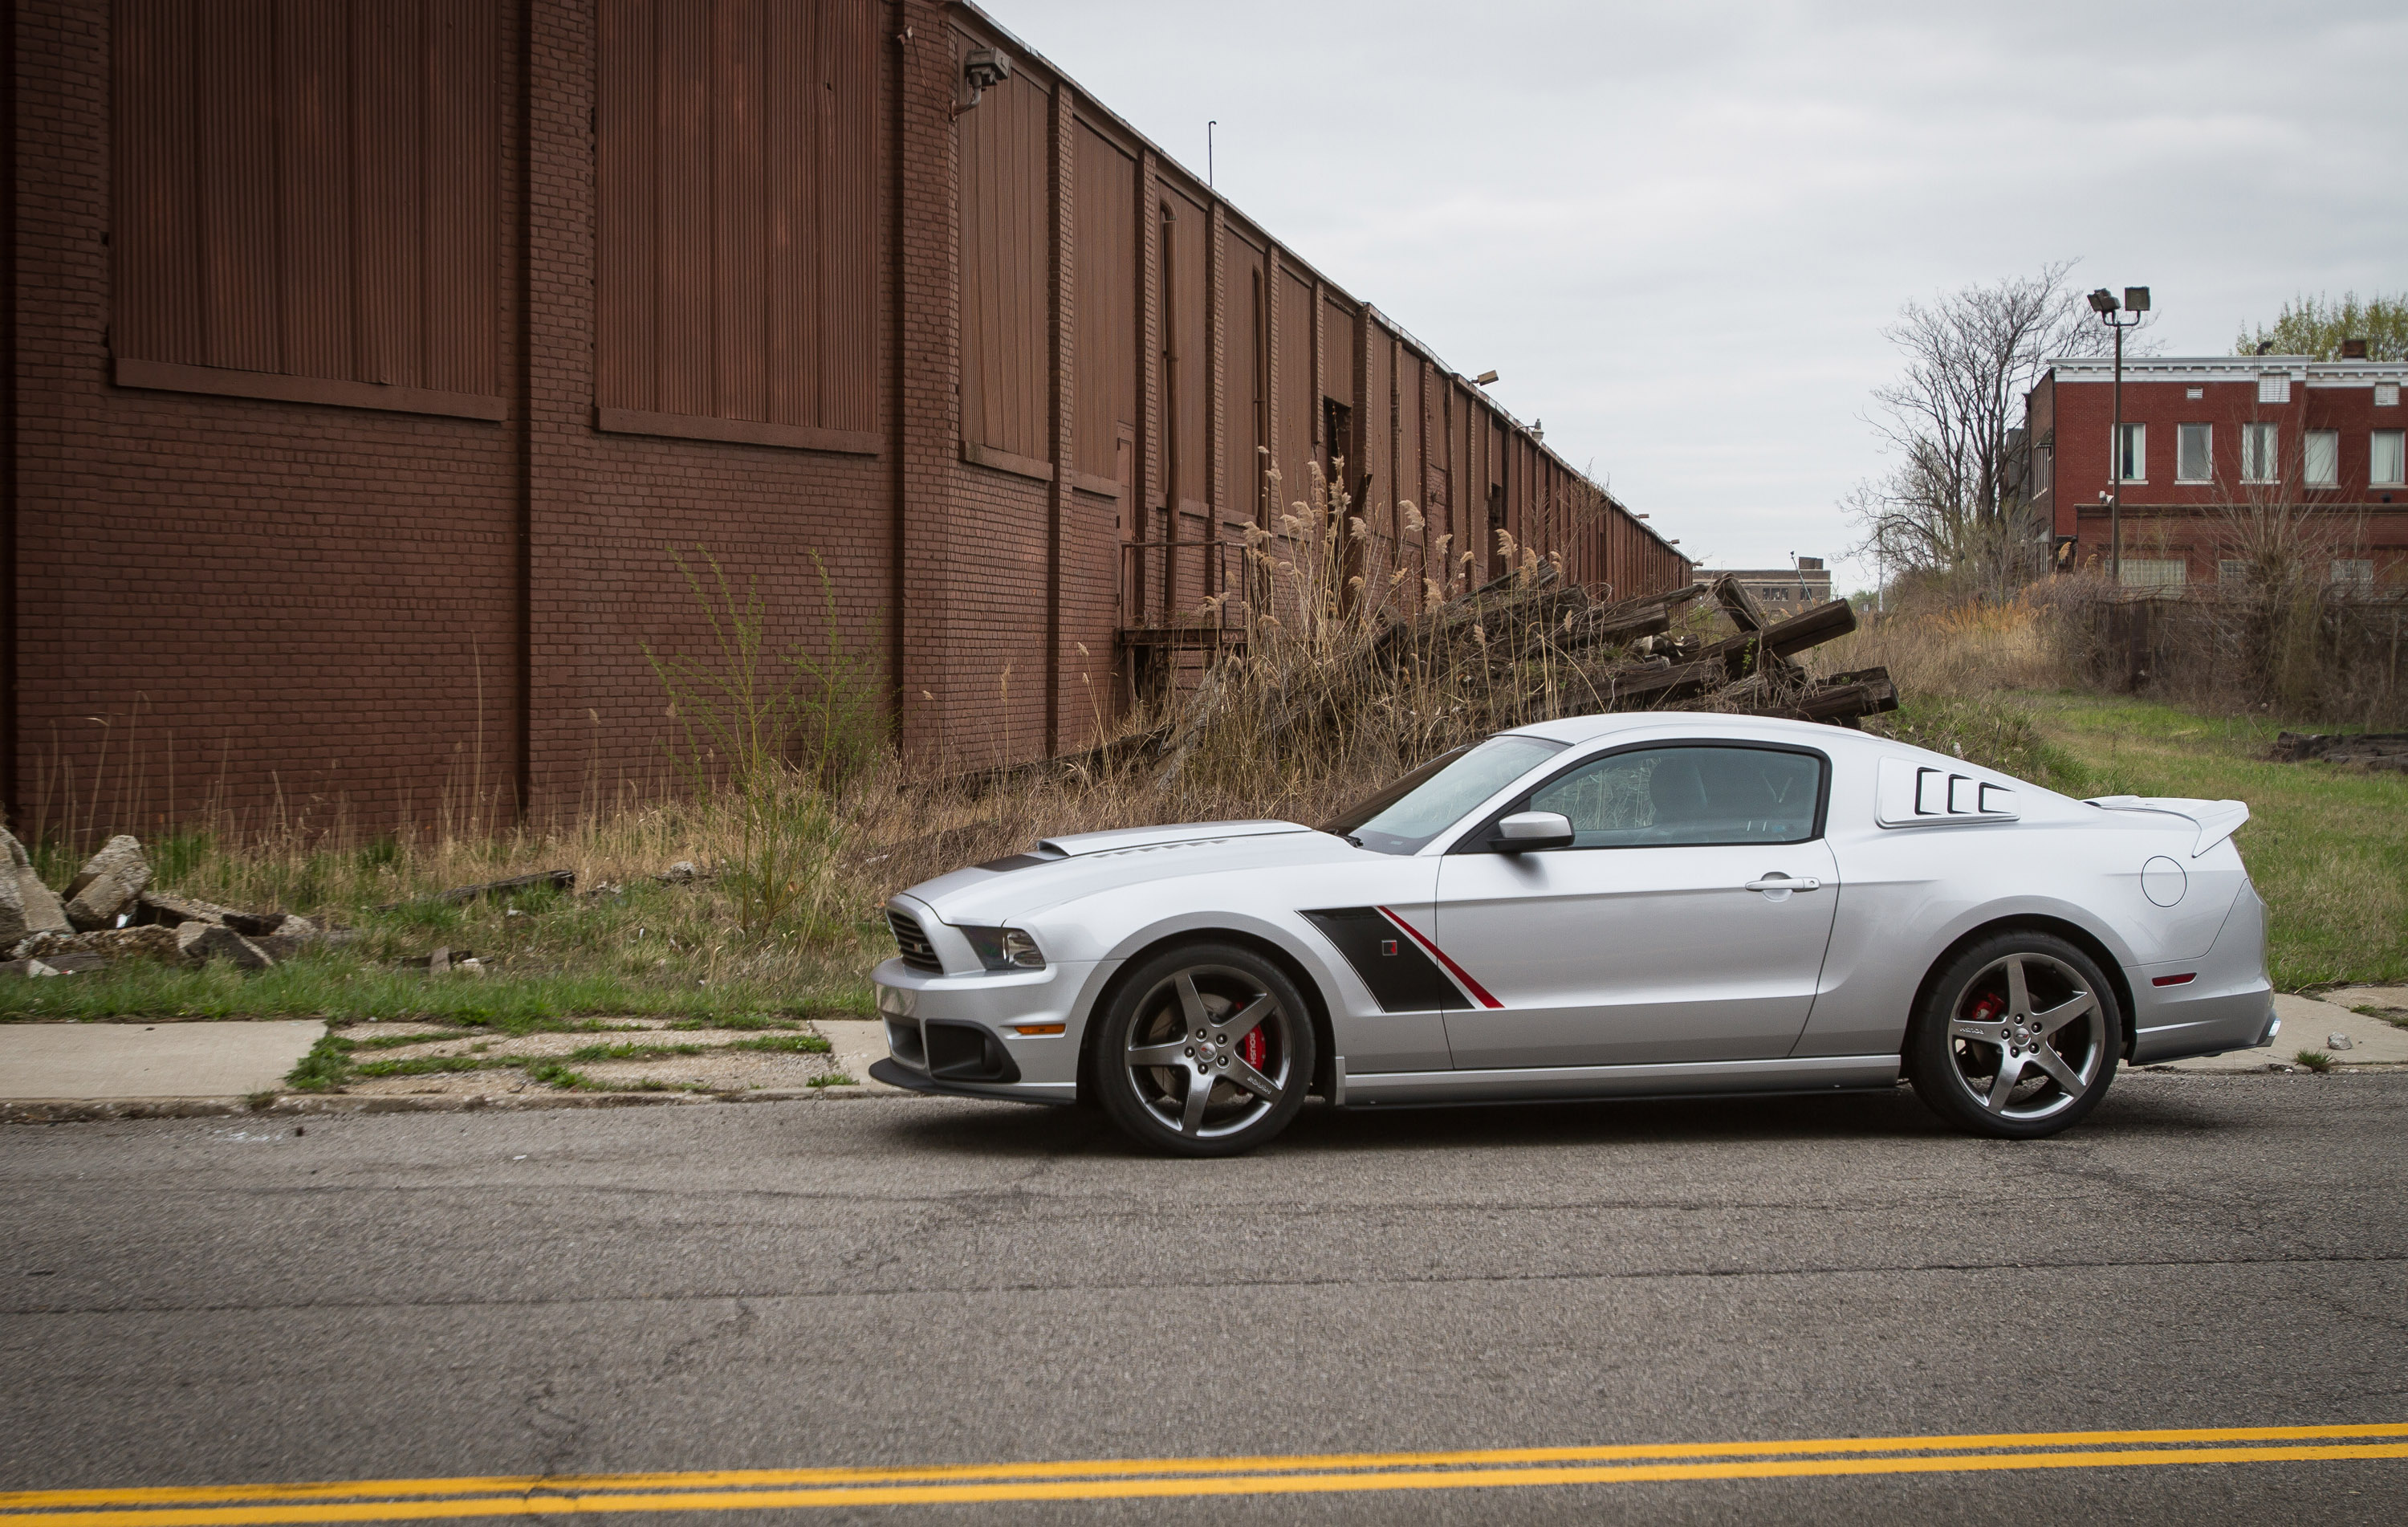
{"points": [[306, 1105]]}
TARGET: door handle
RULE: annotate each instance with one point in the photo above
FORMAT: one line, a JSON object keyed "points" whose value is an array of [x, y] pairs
{"points": [[1782, 882]]}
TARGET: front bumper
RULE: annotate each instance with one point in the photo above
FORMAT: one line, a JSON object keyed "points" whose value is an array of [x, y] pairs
{"points": [[961, 1033]]}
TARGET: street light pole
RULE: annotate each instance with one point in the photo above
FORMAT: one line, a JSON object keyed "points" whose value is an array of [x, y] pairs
{"points": [[2135, 303]]}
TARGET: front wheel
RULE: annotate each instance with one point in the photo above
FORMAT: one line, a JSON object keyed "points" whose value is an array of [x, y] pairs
{"points": [[1207, 1050], [2017, 1039]]}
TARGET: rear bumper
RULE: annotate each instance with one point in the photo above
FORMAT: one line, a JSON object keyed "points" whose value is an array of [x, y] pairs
{"points": [[2222, 1001]]}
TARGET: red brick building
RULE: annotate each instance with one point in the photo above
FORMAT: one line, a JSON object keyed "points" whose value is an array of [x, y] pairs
{"points": [[2207, 441], [368, 356]]}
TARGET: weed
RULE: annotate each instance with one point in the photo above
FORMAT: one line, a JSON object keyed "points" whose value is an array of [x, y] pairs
{"points": [[2316, 1061], [325, 1069], [429, 1065], [632, 1052], [787, 1043], [834, 1078]]}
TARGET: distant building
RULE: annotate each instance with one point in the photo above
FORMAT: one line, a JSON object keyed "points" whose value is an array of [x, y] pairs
{"points": [[1781, 591], [2207, 440]]}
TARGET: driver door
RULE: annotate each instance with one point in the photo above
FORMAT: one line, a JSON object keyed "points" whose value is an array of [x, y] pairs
{"points": [[1687, 921]]}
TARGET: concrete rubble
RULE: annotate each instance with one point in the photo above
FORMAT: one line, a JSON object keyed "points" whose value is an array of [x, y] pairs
{"points": [[111, 911]]}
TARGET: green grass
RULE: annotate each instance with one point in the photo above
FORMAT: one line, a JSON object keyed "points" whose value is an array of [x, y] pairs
{"points": [[2326, 846], [2316, 1061], [345, 987]]}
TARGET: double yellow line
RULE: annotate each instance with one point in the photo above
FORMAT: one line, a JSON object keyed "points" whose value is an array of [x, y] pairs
{"points": [[1101, 1479]]}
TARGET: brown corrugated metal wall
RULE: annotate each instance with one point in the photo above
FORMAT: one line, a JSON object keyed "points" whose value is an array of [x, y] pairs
{"points": [[734, 229], [308, 188]]}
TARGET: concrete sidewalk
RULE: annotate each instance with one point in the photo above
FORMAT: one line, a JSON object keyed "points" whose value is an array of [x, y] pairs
{"points": [[2310, 1023], [87, 1062]]}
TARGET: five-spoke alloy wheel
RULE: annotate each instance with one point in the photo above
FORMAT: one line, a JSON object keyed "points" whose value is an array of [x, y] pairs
{"points": [[2018, 1036], [1205, 1050]]}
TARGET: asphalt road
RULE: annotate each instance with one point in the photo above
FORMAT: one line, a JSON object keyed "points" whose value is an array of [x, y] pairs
{"points": [[903, 1282]]}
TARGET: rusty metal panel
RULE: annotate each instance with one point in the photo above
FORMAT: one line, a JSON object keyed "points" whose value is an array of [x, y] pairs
{"points": [[1299, 400], [1006, 269], [462, 193], [738, 387], [681, 191], [1337, 368], [848, 66], [1376, 420], [625, 365], [235, 56], [314, 69], [1106, 258], [157, 310], [386, 136], [1187, 348], [1245, 419], [736, 162]]}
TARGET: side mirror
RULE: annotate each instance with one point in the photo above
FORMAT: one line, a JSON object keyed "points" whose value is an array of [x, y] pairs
{"points": [[1526, 831]]}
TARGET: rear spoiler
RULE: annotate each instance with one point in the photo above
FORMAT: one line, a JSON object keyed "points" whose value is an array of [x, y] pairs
{"points": [[2217, 820]]}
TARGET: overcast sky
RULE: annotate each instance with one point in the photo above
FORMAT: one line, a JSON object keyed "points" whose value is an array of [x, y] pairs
{"points": [[1678, 229]]}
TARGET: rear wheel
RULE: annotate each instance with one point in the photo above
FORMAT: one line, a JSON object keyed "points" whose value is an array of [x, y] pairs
{"points": [[1207, 1050], [2019, 1038]]}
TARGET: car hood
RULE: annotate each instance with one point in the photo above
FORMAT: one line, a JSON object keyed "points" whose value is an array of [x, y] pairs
{"points": [[1066, 869]]}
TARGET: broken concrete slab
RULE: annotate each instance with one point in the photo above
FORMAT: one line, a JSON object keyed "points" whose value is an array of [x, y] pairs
{"points": [[199, 942], [108, 884], [44, 912], [113, 942]]}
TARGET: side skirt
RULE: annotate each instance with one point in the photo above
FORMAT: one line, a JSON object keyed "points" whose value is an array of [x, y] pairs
{"points": [[1810, 1074]]}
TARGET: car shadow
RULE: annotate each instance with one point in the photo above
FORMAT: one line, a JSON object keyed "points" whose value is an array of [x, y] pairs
{"points": [[974, 1128]]}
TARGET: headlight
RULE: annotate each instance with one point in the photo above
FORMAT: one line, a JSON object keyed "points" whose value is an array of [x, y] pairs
{"points": [[1005, 948]]}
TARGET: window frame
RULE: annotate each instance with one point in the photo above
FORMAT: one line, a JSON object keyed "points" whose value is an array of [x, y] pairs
{"points": [[2268, 468], [1477, 840], [2132, 450], [2207, 454], [2308, 439], [2399, 477]]}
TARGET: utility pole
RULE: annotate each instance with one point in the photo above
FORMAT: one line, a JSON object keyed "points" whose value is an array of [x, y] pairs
{"points": [[2135, 303]]}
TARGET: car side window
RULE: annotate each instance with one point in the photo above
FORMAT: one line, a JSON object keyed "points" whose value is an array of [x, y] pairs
{"points": [[1688, 796]]}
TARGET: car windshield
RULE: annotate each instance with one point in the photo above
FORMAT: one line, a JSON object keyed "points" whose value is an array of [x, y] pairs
{"points": [[1433, 797]]}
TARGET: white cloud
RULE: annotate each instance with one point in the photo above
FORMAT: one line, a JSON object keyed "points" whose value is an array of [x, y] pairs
{"points": [[1678, 230]]}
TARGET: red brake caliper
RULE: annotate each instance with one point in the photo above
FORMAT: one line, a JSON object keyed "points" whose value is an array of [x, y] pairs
{"points": [[1254, 1049], [1988, 1009]]}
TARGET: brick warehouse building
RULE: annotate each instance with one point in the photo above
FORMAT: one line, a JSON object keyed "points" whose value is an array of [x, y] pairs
{"points": [[368, 356], [2207, 437]]}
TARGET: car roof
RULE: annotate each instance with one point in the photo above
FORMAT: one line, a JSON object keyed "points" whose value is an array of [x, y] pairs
{"points": [[1589, 729]]}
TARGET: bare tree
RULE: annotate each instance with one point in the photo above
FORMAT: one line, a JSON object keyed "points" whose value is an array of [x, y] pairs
{"points": [[1952, 504]]}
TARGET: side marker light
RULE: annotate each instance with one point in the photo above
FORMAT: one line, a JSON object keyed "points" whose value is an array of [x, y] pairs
{"points": [[1037, 1029], [2183, 980]]}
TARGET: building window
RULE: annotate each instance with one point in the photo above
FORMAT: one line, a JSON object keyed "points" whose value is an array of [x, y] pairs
{"points": [[2388, 457], [2155, 573], [2132, 463], [2387, 395], [2260, 453], [2274, 387], [2194, 394], [2233, 570], [2353, 571], [2194, 461], [2323, 458]]}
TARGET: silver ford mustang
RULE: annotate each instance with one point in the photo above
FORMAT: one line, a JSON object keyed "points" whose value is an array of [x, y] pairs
{"points": [[1605, 907]]}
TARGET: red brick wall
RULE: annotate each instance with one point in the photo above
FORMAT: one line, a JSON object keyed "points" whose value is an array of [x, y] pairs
{"points": [[302, 609], [2166, 518]]}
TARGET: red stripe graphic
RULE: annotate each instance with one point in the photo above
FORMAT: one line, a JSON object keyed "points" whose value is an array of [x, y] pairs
{"points": [[1463, 977]]}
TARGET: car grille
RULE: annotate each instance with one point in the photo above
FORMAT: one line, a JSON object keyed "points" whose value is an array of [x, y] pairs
{"points": [[916, 950]]}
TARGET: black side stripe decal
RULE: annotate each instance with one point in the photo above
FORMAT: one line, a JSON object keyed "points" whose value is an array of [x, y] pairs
{"points": [[1402, 978]]}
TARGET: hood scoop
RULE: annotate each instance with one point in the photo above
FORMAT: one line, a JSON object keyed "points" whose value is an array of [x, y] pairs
{"points": [[1080, 843]]}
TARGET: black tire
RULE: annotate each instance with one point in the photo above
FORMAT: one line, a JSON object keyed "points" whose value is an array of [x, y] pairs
{"points": [[1190, 1011], [2024, 1008]]}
